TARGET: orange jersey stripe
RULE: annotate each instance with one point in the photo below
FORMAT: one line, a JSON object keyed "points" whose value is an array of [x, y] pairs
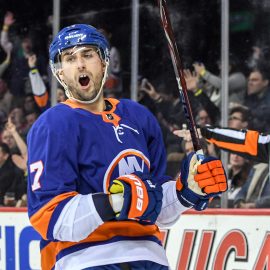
{"points": [[42, 100], [105, 232], [41, 219], [250, 146], [115, 118]]}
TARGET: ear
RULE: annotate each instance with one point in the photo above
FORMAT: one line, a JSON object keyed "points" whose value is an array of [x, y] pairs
{"points": [[60, 74], [103, 66]]}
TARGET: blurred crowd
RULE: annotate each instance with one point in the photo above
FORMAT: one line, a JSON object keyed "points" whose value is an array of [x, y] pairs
{"points": [[25, 88]]}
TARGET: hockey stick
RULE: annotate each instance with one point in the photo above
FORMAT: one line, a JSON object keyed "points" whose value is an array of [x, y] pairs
{"points": [[179, 73]]}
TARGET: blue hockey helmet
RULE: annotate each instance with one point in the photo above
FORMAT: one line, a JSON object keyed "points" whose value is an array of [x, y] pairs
{"points": [[76, 35]]}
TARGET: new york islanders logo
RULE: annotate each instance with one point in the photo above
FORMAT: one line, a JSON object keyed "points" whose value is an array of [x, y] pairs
{"points": [[126, 162], [119, 131]]}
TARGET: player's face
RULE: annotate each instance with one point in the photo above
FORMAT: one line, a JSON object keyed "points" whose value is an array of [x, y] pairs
{"points": [[82, 71]]}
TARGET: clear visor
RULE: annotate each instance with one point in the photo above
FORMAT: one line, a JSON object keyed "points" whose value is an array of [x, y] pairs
{"points": [[85, 54]]}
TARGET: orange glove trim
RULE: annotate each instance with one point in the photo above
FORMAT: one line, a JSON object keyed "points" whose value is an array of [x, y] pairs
{"points": [[139, 199], [223, 186], [179, 184]]}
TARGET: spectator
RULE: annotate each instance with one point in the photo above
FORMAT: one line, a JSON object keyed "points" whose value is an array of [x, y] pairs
{"points": [[255, 193], [3, 121], [145, 98], [203, 118], [170, 115], [17, 117], [8, 176], [239, 168], [8, 21], [4, 65], [29, 104], [13, 139], [258, 99], [260, 55], [113, 83], [8, 139], [18, 71], [30, 118], [187, 147], [39, 88], [201, 103], [19, 158], [5, 96], [237, 82], [239, 117]]}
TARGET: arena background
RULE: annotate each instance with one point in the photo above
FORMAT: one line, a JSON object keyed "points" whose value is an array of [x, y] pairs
{"points": [[197, 27], [196, 24]]}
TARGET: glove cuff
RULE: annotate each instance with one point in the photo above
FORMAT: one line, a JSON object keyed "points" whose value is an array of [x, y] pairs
{"points": [[103, 206], [192, 200]]}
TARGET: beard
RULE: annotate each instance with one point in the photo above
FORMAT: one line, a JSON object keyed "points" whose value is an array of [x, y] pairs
{"points": [[86, 95]]}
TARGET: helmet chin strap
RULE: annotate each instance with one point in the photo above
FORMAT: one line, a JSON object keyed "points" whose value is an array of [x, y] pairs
{"points": [[70, 96]]}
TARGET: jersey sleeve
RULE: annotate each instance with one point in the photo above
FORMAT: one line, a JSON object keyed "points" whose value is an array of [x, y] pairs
{"points": [[52, 173], [247, 143]]}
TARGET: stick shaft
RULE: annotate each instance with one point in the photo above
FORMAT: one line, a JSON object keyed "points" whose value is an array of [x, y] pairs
{"points": [[179, 73]]}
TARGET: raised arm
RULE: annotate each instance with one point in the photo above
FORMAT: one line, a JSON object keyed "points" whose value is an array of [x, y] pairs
{"points": [[8, 21], [247, 143]]}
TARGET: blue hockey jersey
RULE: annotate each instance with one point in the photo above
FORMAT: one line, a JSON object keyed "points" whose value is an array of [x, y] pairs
{"points": [[73, 153]]}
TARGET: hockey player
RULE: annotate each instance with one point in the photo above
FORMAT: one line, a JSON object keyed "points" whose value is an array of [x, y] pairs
{"points": [[97, 187]]}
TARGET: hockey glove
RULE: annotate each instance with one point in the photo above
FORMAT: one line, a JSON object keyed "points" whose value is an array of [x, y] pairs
{"points": [[142, 199], [198, 183]]}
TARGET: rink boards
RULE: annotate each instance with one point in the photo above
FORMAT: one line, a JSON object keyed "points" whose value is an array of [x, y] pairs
{"points": [[214, 239]]}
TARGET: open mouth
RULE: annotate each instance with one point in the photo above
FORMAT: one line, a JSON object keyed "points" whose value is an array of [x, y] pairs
{"points": [[84, 80]]}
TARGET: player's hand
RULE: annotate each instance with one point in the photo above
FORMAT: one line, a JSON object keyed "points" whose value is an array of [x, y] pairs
{"points": [[200, 181], [142, 199]]}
